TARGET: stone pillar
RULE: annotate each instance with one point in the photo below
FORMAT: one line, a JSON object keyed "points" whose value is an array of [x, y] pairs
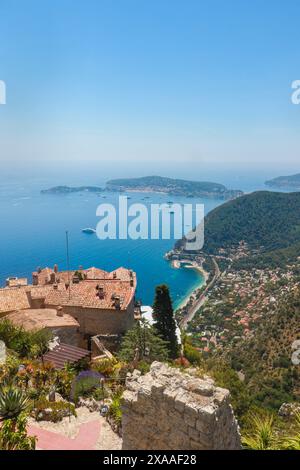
{"points": [[167, 409]]}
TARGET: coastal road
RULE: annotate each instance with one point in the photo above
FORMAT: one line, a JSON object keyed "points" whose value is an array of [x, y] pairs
{"points": [[202, 299]]}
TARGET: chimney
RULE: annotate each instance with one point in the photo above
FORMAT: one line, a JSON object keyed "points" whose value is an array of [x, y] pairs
{"points": [[100, 290], [35, 279], [60, 312], [55, 268]]}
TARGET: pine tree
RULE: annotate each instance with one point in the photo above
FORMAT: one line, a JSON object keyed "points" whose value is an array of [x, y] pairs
{"points": [[143, 343], [163, 316]]}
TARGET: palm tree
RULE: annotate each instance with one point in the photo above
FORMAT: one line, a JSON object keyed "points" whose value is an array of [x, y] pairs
{"points": [[13, 401]]}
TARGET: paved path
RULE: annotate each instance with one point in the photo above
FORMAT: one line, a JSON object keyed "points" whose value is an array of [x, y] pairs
{"points": [[87, 431], [85, 440]]}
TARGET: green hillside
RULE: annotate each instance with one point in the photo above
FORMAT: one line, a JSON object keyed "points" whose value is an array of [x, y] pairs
{"points": [[267, 221]]}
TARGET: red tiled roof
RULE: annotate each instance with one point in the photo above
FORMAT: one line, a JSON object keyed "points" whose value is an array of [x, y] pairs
{"points": [[85, 294], [119, 283], [39, 318], [98, 289], [14, 298]]}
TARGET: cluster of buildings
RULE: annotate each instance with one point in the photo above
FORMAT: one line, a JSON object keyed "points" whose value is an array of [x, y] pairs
{"points": [[77, 306], [237, 303]]}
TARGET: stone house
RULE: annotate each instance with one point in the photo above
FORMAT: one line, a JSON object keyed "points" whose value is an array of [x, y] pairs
{"points": [[101, 302], [61, 325]]}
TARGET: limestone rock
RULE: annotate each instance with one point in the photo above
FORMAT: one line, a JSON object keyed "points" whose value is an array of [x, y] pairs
{"points": [[2, 352], [288, 410], [90, 403]]}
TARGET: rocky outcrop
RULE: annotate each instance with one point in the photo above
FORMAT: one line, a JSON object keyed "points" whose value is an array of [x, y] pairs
{"points": [[167, 409], [289, 410]]}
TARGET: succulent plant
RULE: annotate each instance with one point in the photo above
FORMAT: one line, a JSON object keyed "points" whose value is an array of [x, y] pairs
{"points": [[13, 401]]}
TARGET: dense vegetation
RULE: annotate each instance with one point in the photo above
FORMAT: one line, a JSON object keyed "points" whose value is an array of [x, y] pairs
{"points": [[142, 343], [265, 358], [268, 222], [24, 343]]}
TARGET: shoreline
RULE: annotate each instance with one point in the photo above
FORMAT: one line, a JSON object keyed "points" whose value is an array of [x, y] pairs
{"points": [[202, 282]]}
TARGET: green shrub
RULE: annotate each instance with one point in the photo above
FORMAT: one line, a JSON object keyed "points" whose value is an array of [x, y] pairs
{"points": [[192, 355], [143, 367], [100, 393], [114, 410], [59, 409], [24, 343], [85, 384], [13, 435]]}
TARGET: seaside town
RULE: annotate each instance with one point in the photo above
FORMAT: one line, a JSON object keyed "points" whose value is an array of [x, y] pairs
{"points": [[230, 304]]}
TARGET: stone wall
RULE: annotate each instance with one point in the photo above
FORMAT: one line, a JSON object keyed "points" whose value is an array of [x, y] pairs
{"points": [[167, 409], [94, 321], [68, 335]]}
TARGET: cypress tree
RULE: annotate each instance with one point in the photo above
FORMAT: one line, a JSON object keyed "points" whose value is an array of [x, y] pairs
{"points": [[164, 321]]}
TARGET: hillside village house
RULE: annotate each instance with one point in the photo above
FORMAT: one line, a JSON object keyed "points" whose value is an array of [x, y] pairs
{"points": [[75, 305]]}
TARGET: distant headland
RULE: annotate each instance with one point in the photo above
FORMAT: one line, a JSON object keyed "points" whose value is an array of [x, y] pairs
{"points": [[289, 182], [157, 184], [69, 189], [175, 187]]}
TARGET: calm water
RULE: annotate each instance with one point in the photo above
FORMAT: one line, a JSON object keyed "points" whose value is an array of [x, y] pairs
{"points": [[33, 234]]}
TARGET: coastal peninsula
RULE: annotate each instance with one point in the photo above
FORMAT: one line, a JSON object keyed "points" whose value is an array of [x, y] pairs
{"points": [[176, 187], [285, 182], [156, 184]]}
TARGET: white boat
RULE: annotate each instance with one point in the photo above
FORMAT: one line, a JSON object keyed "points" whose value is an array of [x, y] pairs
{"points": [[88, 230]]}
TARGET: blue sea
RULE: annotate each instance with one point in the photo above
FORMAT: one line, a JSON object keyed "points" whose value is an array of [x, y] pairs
{"points": [[33, 234]]}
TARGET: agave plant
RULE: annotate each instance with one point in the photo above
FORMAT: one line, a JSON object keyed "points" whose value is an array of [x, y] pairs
{"points": [[13, 401], [262, 436]]}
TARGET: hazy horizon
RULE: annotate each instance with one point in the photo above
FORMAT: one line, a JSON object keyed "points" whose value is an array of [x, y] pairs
{"points": [[139, 88]]}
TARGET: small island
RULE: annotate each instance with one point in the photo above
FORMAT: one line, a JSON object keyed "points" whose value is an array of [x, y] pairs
{"points": [[285, 182], [175, 187], [68, 189]]}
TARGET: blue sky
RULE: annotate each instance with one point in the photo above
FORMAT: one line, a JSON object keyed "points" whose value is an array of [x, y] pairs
{"points": [[139, 84]]}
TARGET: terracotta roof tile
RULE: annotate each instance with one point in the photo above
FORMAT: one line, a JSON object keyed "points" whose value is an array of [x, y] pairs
{"points": [[98, 289], [33, 319], [14, 298]]}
